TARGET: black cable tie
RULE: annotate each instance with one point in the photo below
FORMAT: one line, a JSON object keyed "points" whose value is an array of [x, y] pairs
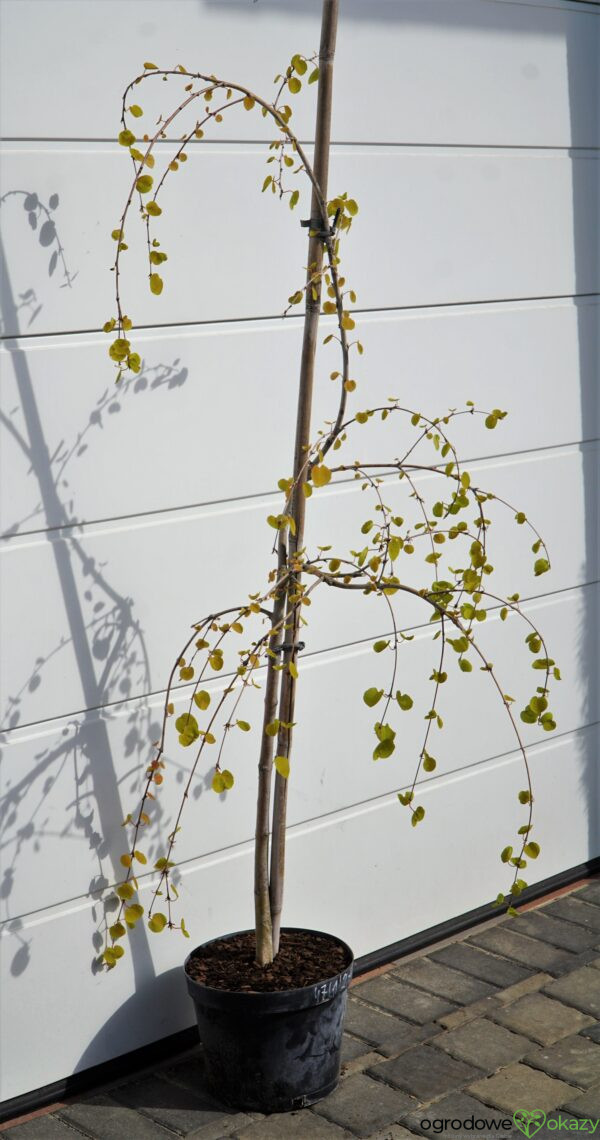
{"points": [[287, 646], [314, 224]]}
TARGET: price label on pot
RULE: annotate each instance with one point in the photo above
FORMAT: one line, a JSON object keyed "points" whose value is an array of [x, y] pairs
{"points": [[328, 990]]}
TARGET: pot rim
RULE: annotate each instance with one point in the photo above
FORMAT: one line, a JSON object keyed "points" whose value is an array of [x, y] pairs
{"points": [[272, 995]]}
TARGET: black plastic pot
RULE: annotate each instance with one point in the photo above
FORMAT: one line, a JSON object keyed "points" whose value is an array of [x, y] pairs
{"points": [[272, 1052]]}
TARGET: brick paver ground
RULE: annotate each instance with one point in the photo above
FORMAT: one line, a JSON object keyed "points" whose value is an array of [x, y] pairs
{"points": [[497, 1022]]}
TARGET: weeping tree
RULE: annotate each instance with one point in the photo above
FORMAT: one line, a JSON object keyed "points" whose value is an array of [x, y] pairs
{"points": [[453, 517]]}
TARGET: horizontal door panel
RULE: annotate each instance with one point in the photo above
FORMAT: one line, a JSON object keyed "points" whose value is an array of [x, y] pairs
{"points": [[347, 874], [195, 426], [390, 48], [90, 618], [69, 785], [465, 225]]}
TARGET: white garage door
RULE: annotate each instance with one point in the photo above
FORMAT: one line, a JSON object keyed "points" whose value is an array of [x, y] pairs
{"points": [[469, 132]]}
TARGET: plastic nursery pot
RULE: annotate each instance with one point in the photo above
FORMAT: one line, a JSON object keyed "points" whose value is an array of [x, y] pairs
{"points": [[276, 1051]]}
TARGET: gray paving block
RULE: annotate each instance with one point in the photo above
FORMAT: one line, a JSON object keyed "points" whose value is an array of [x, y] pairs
{"points": [[169, 1104], [408, 1001], [502, 939], [394, 1132], [386, 1032], [580, 988], [575, 909], [484, 1044], [425, 1072], [47, 1127], [593, 1032], [520, 1088], [105, 1119], [459, 1106], [443, 981], [363, 1105], [290, 1126], [574, 1059], [481, 964], [541, 1018], [591, 893], [353, 1048], [587, 1104], [549, 928], [586, 958]]}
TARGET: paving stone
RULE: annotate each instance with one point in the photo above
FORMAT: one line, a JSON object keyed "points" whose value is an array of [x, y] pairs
{"points": [[574, 1059], [290, 1126], [591, 893], [595, 962], [405, 1000], [530, 985], [586, 1104], [425, 1072], [587, 958], [363, 1106], [482, 1008], [541, 1018], [484, 1044], [531, 952], [47, 1127], [461, 1106], [593, 1032], [394, 1132], [353, 1048], [539, 924], [575, 909], [480, 964], [105, 1119], [443, 981], [388, 1033], [168, 1104], [519, 1087], [581, 989]]}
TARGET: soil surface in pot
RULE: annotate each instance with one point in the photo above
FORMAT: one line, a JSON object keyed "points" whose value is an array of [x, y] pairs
{"points": [[303, 959]]}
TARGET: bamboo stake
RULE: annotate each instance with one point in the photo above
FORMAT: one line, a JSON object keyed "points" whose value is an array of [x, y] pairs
{"points": [[305, 392]]}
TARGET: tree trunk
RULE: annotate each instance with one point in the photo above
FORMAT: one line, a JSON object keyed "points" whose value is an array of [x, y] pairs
{"points": [[303, 420]]}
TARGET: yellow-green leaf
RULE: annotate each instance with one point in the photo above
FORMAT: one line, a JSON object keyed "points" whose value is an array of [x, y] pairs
{"points": [[144, 183], [157, 922], [150, 66], [136, 111], [117, 930], [156, 284], [133, 913], [202, 699], [124, 891], [228, 779], [320, 475], [218, 783], [243, 724], [282, 765], [126, 138], [153, 208]]}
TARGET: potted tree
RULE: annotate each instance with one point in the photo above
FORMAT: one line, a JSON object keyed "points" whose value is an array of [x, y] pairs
{"points": [[270, 1001]]}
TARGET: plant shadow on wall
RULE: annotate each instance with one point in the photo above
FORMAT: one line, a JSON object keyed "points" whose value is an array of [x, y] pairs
{"points": [[101, 633]]}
